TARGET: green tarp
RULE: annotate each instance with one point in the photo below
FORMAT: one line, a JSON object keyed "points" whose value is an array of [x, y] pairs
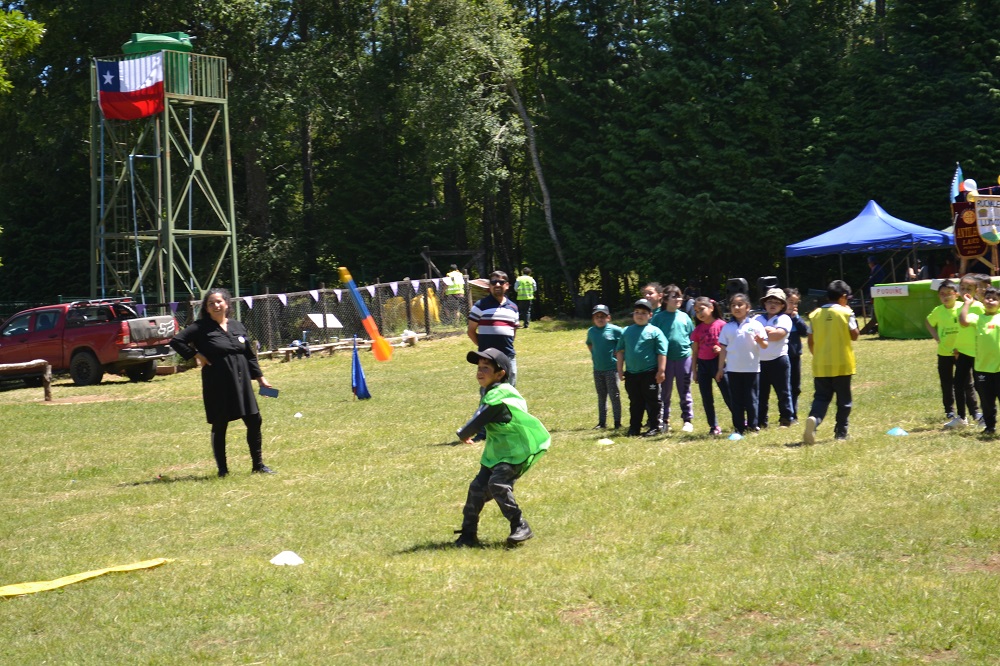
{"points": [[903, 317]]}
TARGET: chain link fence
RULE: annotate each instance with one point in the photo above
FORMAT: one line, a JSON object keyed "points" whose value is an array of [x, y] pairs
{"points": [[321, 316]]}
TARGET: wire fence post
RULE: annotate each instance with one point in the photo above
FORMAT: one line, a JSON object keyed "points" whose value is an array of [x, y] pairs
{"points": [[427, 309]]}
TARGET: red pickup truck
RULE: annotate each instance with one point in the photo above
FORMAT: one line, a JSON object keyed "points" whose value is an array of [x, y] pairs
{"points": [[89, 338]]}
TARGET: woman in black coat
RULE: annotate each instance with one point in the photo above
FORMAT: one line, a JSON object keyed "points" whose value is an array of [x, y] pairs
{"points": [[228, 363]]}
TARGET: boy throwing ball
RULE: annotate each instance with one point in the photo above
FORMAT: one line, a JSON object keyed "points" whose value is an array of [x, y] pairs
{"points": [[515, 440]]}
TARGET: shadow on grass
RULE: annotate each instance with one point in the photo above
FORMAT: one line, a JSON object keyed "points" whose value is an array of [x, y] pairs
{"points": [[170, 479], [450, 545]]}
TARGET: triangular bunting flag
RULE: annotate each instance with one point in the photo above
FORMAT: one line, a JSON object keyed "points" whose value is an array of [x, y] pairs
{"points": [[249, 301], [371, 290], [173, 307], [284, 299], [395, 288], [315, 294], [416, 286], [140, 309], [338, 294], [437, 284]]}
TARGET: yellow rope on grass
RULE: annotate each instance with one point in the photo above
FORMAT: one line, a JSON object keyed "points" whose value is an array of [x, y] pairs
{"points": [[42, 586]]}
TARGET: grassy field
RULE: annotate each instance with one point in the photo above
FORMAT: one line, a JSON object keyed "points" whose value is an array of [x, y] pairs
{"points": [[682, 549]]}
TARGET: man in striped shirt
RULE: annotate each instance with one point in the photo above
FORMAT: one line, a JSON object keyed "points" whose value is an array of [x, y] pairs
{"points": [[493, 320]]}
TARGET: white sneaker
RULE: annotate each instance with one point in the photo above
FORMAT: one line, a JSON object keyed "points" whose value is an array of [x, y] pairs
{"points": [[809, 436], [956, 422], [688, 427]]}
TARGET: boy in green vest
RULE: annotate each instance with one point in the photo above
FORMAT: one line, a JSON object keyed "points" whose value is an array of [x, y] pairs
{"points": [[515, 440]]}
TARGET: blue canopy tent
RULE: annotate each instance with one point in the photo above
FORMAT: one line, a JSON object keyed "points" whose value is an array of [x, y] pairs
{"points": [[873, 230]]}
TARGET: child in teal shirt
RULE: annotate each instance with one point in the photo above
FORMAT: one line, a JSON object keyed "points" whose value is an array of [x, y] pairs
{"points": [[602, 341], [677, 327], [643, 350]]}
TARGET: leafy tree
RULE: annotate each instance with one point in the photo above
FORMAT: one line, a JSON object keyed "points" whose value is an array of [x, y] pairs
{"points": [[18, 37]]}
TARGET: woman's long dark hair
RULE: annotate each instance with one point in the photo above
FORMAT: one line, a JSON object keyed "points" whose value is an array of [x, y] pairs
{"points": [[204, 302]]}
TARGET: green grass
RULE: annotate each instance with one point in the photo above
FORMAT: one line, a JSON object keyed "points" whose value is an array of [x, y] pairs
{"points": [[682, 549]]}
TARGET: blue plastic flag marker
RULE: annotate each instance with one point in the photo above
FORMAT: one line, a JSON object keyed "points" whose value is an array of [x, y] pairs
{"points": [[897, 432], [358, 384]]}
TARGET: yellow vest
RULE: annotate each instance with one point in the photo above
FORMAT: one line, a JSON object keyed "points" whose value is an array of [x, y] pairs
{"points": [[457, 286], [833, 353]]}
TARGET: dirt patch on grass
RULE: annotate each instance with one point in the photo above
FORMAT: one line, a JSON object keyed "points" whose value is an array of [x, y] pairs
{"points": [[580, 614], [989, 565]]}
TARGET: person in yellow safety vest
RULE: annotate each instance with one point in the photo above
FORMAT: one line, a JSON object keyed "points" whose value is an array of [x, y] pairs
{"points": [[525, 287], [454, 290]]}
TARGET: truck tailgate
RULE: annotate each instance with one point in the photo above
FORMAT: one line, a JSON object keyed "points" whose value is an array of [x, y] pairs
{"points": [[152, 329]]}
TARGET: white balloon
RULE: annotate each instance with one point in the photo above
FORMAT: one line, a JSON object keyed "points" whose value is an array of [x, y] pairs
{"points": [[970, 185]]}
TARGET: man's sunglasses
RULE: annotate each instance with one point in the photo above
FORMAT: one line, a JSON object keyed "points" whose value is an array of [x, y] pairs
{"points": [[497, 282]]}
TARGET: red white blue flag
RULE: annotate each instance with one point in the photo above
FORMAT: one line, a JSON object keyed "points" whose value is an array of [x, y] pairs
{"points": [[131, 89]]}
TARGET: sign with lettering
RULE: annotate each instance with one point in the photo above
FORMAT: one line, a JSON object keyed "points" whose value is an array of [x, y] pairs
{"points": [[891, 290], [968, 243], [988, 217]]}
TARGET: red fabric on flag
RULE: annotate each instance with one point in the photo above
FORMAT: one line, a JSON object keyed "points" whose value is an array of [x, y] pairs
{"points": [[132, 105]]}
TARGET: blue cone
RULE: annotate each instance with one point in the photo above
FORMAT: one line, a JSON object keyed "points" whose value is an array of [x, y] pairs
{"points": [[358, 384], [735, 436], [897, 432]]}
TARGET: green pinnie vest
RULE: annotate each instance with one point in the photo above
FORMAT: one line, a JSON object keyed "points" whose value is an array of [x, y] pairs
{"points": [[520, 442]]}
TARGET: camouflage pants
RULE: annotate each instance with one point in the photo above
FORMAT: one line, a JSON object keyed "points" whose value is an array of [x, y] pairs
{"points": [[496, 483]]}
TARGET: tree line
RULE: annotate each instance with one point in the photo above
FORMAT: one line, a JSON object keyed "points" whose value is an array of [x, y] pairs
{"points": [[604, 143]]}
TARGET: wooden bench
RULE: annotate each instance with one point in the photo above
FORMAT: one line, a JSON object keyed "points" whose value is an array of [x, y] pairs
{"points": [[22, 368]]}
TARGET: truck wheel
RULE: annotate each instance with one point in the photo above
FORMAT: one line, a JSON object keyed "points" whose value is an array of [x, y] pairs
{"points": [[85, 369], [141, 372]]}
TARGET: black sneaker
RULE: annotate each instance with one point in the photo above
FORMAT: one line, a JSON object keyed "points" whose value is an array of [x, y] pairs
{"points": [[466, 539], [840, 433], [618, 426], [599, 426], [519, 533], [632, 432], [652, 432], [262, 469]]}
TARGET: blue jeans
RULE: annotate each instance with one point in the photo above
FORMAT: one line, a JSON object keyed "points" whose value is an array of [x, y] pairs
{"points": [[826, 387], [706, 376], [743, 399], [606, 383], [776, 373]]}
